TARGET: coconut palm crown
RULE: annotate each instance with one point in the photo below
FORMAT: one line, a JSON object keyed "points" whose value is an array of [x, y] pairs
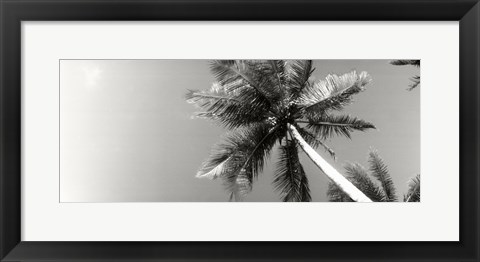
{"points": [[264, 103]]}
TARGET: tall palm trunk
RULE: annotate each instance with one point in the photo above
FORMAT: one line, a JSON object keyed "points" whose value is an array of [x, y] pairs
{"points": [[354, 193]]}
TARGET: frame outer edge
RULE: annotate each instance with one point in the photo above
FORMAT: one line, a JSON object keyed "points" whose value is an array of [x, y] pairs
{"points": [[10, 130], [10, 135], [470, 133]]}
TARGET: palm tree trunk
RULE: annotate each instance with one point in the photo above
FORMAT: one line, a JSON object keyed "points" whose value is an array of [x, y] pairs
{"points": [[353, 192]]}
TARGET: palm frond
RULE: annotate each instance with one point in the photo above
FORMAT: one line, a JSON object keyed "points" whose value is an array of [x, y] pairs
{"points": [[326, 126], [314, 142], [270, 76], [358, 175], [333, 93], [380, 172], [240, 158], [278, 72], [413, 194], [415, 83], [416, 79], [405, 62], [232, 109], [298, 73], [228, 72], [207, 98], [253, 77], [336, 194], [290, 179]]}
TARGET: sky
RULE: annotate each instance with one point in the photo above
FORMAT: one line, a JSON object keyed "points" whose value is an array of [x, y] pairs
{"points": [[128, 135]]}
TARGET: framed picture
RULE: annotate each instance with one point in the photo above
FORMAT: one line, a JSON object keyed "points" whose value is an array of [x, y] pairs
{"points": [[159, 130]]}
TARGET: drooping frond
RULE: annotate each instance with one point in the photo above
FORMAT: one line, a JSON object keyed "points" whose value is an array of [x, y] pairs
{"points": [[313, 141], [208, 98], [240, 158], [271, 76], [232, 109], [415, 83], [413, 194], [253, 78], [380, 172], [233, 73], [358, 175], [251, 163], [416, 79], [224, 156], [290, 179], [333, 93], [335, 194], [405, 62], [278, 73], [298, 73], [326, 126]]}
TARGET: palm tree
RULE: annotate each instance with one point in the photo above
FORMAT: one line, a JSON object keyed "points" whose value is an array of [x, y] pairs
{"points": [[416, 79], [263, 103], [383, 190], [413, 194]]}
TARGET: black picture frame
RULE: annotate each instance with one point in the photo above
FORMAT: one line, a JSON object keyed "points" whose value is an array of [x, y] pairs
{"points": [[13, 12]]}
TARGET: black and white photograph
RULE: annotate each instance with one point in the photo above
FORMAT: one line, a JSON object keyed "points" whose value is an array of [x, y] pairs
{"points": [[153, 130], [159, 130]]}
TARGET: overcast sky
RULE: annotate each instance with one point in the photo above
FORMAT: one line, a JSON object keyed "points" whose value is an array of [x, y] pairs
{"points": [[127, 134]]}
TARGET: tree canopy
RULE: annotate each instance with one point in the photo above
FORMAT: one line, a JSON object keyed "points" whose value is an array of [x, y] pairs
{"points": [[256, 101]]}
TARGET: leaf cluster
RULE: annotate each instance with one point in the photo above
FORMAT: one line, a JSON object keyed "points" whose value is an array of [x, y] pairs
{"points": [[377, 185], [256, 100]]}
